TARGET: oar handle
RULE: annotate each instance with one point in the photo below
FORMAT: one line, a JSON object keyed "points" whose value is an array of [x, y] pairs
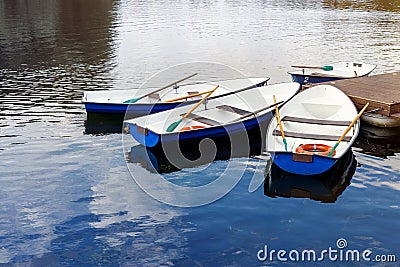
{"points": [[348, 129], [314, 67], [186, 96], [306, 67], [278, 118], [253, 86], [353, 122], [199, 103], [222, 95]]}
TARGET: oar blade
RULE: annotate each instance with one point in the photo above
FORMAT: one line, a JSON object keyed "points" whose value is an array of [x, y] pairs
{"points": [[327, 68], [131, 101], [333, 149], [173, 126], [285, 143]]}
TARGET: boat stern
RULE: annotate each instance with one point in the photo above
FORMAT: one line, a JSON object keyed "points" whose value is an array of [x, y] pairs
{"points": [[303, 164], [143, 135]]}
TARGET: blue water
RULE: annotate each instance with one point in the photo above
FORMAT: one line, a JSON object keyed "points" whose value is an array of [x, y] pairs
{"points": [[68, 197]]}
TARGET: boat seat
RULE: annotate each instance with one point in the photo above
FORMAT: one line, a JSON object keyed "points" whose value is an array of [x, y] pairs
{"points": [[234, 109], [316, 121], [155, 97], [312, 136], [202, 119]]}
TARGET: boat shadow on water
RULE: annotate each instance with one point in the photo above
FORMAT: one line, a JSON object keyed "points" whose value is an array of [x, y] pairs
{"points": [[106, 123], [170, 159], [326, 187], [98, 123]]}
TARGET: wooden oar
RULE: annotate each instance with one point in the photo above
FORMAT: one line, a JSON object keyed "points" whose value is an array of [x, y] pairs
{"points": [[237, 91], [134, 100], [257, 111], [186, 96], [348, 129], [218, 96], [214, 97], [327, 75], [173, 125], [314, 67], [278, 118]]}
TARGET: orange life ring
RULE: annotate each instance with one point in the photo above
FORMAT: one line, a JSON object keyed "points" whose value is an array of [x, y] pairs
{"points": [[194, 127], [315, 149]]}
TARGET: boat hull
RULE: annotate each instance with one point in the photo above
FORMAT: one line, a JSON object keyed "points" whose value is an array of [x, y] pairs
{"points": [[306, 79], [315, 166], [149, 139], [128, 109]]}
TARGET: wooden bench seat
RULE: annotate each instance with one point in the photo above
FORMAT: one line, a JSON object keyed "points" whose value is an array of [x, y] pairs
{"points": [[234, 110], [316, 121], [155, 97], [312, 136], [202, 119]]}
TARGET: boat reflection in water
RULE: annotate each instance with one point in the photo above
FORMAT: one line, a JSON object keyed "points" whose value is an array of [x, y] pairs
{"points": [[97, 123], [377, 141], [326, 187], [170, 159]]}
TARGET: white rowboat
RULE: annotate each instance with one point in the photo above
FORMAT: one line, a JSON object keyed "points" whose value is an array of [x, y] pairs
{"points": [[335, 71], [118, 101], [312, 122]]}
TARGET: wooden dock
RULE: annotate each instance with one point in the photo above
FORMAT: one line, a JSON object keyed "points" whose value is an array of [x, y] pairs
{"points": [[382, 91]]}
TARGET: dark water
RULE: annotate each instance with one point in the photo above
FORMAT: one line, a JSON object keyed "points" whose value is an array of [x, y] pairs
{"points": [[67, 196]]}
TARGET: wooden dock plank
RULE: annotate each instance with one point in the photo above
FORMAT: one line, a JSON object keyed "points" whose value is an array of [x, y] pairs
{"points": [[395, 115], [382, 91]]}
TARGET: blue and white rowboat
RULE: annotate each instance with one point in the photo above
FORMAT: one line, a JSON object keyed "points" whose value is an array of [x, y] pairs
{"points": [[312, 122], [218, 118], [115, 101], [336, 71]]}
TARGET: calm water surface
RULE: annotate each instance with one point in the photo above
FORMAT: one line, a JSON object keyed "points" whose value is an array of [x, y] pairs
{"points": [[67, 197]]}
